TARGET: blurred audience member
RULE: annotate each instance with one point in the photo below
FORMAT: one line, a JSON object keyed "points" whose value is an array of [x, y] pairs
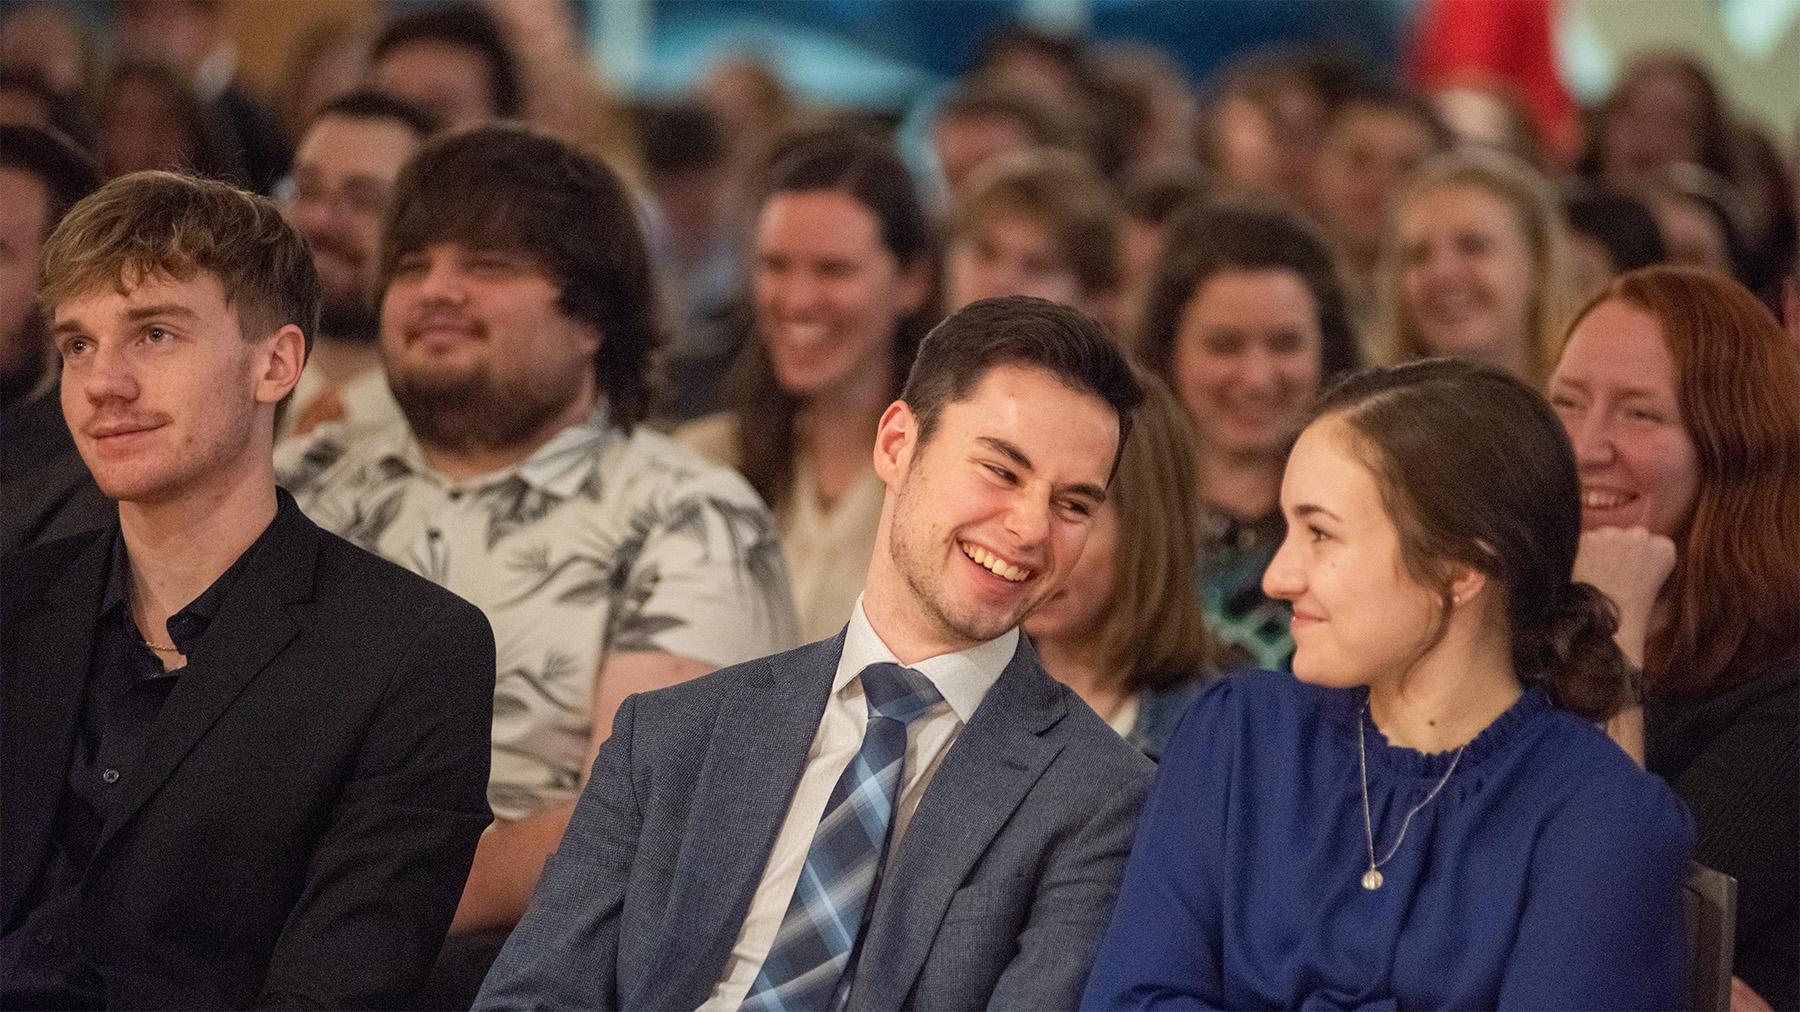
{"points": [[1126, 630], [753, 107], [1770, 197], [699, 249], [1026, 61], [1699, 216], [1146, 112], [1371, 144], [1610, 232], [1665, 110], [451, 60], [843, 273], [563, 92], [53, 39], [1476, 265], [45, 486], [1489, 113], [192, 38], [330, 61], [1682, 397], [344, 172], [980, 123], [1145, 207], [518, 321], [1245, 320], [149, 118], [26, 100], [1267, 115], [1039, 222]]}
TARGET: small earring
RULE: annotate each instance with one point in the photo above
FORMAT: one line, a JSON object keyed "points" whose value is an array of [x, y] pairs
{"points": [[1456, 600]]}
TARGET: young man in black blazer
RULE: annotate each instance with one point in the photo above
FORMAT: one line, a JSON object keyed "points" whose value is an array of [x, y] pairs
{"points": [[243, 762]]}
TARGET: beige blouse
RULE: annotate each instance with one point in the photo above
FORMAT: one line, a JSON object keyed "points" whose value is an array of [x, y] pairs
{"points": [[827, 550]]}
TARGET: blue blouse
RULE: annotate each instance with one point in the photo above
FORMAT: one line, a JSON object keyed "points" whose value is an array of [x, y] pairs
{"points": [[1546, 874]]}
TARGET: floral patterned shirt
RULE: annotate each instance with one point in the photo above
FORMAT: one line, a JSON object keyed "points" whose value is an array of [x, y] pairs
{"points": [[598, 543]]}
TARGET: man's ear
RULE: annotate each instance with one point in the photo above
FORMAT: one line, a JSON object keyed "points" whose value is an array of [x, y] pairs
{"points": [[280, 357], [895, 438]]}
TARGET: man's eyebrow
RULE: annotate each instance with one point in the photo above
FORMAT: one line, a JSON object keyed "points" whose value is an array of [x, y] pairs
{"points": [[1007, 450], [1088, 490], [166, 309]]}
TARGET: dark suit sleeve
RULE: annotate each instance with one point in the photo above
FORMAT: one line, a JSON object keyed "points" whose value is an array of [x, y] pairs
{"points": [[1073, 903], [385, 878], [564, 953]]}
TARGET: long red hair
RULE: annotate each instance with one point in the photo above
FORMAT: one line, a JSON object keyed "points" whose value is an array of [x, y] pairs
{"points": [[1734, 598]]}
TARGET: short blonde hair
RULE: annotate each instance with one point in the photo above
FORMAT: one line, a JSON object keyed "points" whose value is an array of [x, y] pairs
{"points": [[149, 224], [1535, 204]]}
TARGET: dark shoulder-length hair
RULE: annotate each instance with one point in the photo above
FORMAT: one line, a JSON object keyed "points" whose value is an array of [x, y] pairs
{"points": [[1734, 596], [1206, 239], [869, 171]]}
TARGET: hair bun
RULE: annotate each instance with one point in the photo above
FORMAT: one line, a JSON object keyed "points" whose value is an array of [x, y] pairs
{"points": [[1583, 668]]}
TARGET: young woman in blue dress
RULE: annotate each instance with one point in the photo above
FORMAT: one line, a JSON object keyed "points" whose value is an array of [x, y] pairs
{"points": [[1424, 815]]}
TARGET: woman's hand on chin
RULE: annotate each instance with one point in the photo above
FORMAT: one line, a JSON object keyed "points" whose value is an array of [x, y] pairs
{"points": [[1629, 566]]}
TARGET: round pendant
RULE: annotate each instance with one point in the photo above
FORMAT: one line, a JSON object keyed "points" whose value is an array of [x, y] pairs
{"points": [[1372, 879]]}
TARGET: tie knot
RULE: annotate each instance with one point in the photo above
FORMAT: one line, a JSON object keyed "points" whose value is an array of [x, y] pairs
{"points": [[898, 693]]}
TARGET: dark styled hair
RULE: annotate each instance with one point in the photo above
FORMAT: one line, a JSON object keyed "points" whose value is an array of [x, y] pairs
{"points": [[373, 105], [1618, 221], [1208, 239], [1024, 331], [869, 171], [66, 171], [468, 26], [1734, 596], [148, 224], [1475, 470], [510, 187]]}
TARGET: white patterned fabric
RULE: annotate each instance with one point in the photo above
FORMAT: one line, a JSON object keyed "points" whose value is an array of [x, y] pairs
{"points": [[599, 543]]}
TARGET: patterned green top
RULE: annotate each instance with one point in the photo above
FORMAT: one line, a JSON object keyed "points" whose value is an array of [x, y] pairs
{"points": [[1248, 629]]}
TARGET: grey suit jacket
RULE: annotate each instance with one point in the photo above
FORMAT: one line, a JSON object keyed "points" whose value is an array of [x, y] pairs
{"points": [[996, 897]]}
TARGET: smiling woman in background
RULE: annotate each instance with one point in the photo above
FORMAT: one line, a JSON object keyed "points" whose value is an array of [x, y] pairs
{"points": [[1476, 265], [1243, 320], [844, 263], [1424, 815], [1682, 397], [1126, 631]]}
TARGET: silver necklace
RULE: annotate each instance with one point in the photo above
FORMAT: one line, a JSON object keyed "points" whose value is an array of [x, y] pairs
{"points": [[1371, 879]]}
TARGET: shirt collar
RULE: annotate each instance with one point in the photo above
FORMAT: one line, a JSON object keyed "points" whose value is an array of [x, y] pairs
{"points": [[963, 678], [561, 467]]}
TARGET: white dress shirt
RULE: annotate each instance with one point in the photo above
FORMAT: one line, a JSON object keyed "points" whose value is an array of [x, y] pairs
{"points": [[962, 678]]}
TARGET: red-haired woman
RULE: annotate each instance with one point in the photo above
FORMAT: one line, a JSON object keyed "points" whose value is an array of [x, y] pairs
{"points": [[1682, 397]]}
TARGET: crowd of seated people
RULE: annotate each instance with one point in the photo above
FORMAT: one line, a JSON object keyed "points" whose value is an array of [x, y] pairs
{"points": [[830, 538]]}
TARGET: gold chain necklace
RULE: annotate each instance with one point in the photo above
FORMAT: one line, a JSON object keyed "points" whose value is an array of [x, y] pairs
{"points": [[1371, 879]]}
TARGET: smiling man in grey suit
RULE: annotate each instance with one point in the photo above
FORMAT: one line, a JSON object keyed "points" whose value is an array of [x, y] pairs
{"points": [[910, 814]]}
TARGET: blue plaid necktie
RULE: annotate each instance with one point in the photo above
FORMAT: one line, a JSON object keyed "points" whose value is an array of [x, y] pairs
{"points": [[806, 966]]}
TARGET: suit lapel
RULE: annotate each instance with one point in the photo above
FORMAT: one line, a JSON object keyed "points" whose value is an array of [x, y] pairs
{"points": [[43, 696], [252, 627], [984, 778], [760, 744]]}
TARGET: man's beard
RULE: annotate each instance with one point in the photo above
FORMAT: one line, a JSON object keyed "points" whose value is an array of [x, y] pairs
{"points": [[476, 412]]}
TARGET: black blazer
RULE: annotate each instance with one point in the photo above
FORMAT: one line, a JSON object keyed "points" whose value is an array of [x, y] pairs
{"points": [[310, 795]]}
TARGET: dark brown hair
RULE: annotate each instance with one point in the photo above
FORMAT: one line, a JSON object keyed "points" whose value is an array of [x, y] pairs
{"points": [[1734, 596], [510, 187], [1475, 470], [1024, 331], [869, 171], [1205, 240]]}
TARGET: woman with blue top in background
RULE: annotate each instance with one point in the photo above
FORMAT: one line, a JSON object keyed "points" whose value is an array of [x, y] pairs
{"points": [[1424, 815]]}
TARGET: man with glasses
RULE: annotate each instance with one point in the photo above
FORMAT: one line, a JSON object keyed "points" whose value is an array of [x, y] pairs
{"points": [[344, 171]]}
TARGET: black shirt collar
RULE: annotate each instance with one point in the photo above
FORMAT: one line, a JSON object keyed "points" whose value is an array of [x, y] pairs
{"points": [[188, 626]]}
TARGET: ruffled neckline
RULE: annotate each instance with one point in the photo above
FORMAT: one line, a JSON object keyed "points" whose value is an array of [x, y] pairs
{"points": [[1494, 739]]}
